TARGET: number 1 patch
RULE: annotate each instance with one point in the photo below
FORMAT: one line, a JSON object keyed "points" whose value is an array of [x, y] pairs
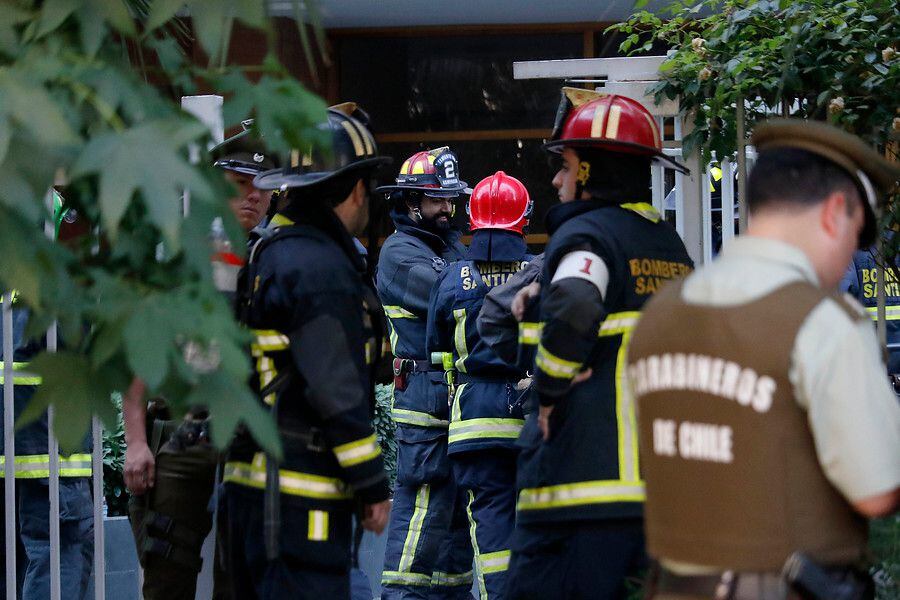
{"points": [[585, 265]]}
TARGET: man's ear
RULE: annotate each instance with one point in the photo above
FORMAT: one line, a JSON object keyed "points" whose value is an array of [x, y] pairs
{"points": [[833, 212]]}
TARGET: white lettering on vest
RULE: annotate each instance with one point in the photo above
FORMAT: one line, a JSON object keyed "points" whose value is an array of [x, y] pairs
{"points": [[702, 441]]}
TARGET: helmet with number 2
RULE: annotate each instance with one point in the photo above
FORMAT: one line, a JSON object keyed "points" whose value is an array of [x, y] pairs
{"points": [[499, 202], [432, 172]]}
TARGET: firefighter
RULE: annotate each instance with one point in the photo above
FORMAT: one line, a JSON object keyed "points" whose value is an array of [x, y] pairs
{"points": [[428, 550], [764, 449], [31, 467], [316, 324], [486, 410], [170, 466], [578, 529]]}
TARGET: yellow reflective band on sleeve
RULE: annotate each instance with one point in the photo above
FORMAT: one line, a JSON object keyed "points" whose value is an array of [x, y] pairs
{"points": [[494, 562], [554, 366], [891, 313], [413, 417], [456, 408], [293, 483], [619, 323], [398, 312], [581, 493], [451, 579], [473, 528], [398, 578], [20, 374], [318, 526], [643, 209], [13, 293], [392, 337], [37, 466], [269, 340], [416, 524], [487, 428], [626, 421], [265, 367], [459, 338], [354, 453], [530, 333]]}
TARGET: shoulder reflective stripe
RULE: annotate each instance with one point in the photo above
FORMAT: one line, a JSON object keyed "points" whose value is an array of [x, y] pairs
{"points": [[584, 492], [20, 374], [293, 483], [619, 323], [354, 453], [37, 466], [473, 526], [891, 313], [494, 562], [317, 531], [530, 333], [398, 312], [585, 265], [643, 209], [459, 338], [269, 340], [412, 417], [451, 579], [279, 220], [456, 409], [554, 366], [484, 429], [398, 578], [416, 524]]}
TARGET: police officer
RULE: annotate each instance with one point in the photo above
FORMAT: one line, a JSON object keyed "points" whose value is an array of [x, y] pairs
{"points": [[578, 528], [428, 551], [486, 411], [764, 449], [316, 327], [31, 468], [170, 466]]}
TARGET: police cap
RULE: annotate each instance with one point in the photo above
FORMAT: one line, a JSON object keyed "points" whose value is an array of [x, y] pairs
{"points": [[244, 153], [873, 174]]}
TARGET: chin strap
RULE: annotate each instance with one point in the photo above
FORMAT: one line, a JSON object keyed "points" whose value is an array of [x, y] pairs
{"points": [[581, 178]]}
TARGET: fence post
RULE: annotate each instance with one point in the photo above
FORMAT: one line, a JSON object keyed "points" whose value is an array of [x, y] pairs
{"points": [[9, 449]]}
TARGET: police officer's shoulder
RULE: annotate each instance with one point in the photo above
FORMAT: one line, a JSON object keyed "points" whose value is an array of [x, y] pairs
{"points": [[850, 306]]}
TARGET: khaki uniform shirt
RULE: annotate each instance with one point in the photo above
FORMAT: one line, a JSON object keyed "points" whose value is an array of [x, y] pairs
{"points": [[838, 373]]}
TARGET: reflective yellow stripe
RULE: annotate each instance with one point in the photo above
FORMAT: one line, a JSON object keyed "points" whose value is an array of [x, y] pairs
{"points": [[891, 313], [456, 409], [293, 483], [354, 453], [392, 337], [269, 340], [398, 312], [279, 220], [623, 323], [644, 209], [482, 590], [555, 366], [13, 293], [486, 428], [581, 493], [530, 333], [413, 417], [317, 530], [265, 367], [494, 562], [416, 523], [451, 579], [37, 466], [398, 578], [22, 377], [619, 323], [459, 338]]}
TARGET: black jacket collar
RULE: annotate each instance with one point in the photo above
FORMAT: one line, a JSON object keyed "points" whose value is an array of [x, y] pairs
{"points": [[559, 214], [495, 245]]}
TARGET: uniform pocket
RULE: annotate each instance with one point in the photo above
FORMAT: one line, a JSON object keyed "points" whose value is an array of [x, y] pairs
{"points": [[421, 455]]}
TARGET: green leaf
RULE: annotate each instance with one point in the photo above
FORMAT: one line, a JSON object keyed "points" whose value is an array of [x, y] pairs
{"points": [[116, 13], [868, 18], [53, 14], [149, 342], [33, 109], [160, 13]]}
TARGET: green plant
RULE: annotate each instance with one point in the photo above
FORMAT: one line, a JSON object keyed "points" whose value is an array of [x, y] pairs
{"points": [[89, 102], [385, 428], [114, 464]]}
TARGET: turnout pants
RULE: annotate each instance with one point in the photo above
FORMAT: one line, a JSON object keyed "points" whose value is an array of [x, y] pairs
{"points": [[585, 560], [428, 551], [487, 479], [171, 521]]}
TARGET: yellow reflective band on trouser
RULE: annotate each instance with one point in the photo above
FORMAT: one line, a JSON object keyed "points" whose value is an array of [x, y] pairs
{"points": [[268, 340], [20, 374], [413, 417], [530, 333], [354, 453], [318, 526], [37, 466], [473, 529], [416, 524], [471, 429], [456, 407], [459, 339], [644, 209], [292, 483], [398, 578], [891, 313], [494, 562], [398, 312], [555, 366], [451, 579], [581, 493]]}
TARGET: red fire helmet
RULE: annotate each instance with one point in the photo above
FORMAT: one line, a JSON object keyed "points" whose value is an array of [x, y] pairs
{"points": [[499, 202], [434, 172], [608, 122]]}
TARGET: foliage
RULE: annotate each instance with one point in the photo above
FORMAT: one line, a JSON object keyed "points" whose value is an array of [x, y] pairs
{"points": [[75, 112], [114, 465], [816, 59], [884, 543], [385, 428]]}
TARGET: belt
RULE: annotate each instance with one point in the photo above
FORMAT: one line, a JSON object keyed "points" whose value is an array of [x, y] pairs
{"points": [[412, 365], [466, 378], [729, 585]]}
